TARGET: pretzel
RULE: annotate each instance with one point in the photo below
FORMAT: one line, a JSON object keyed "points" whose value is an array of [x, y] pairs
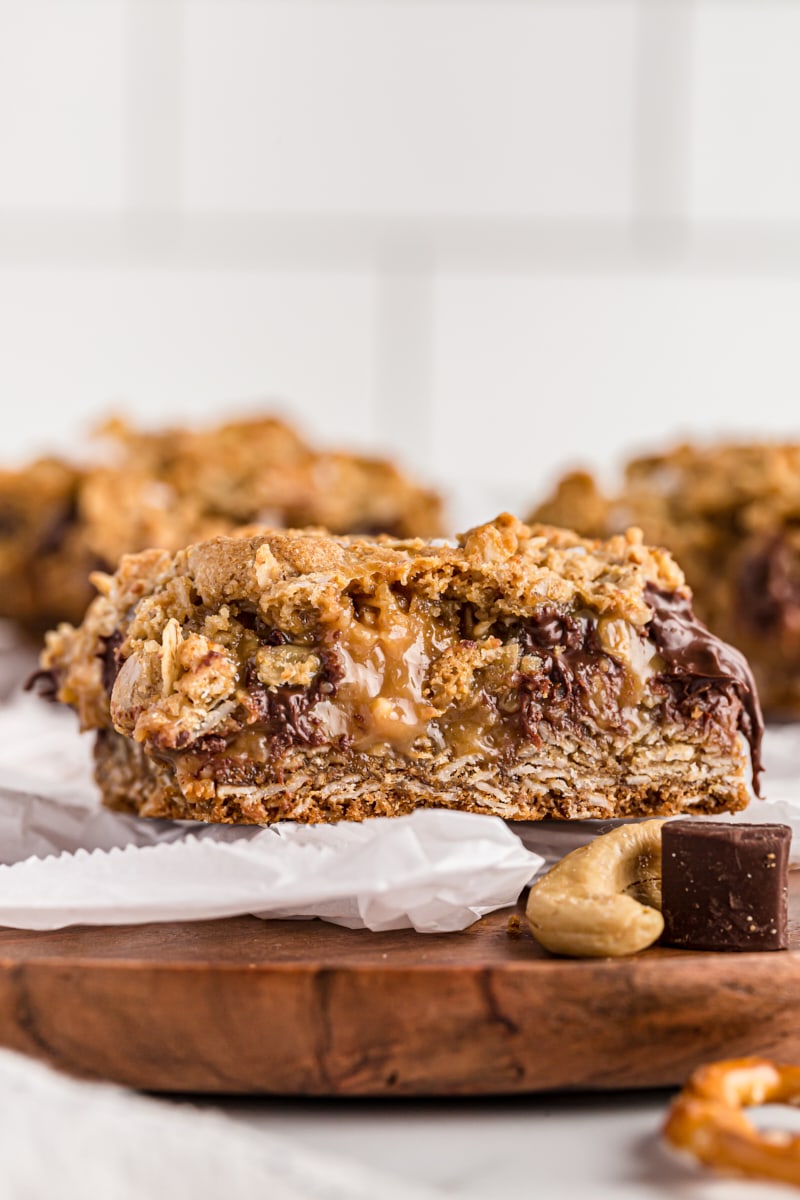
{"points": [[707, 1121]]}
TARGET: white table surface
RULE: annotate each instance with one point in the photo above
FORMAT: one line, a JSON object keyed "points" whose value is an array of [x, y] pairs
{"points": [[585, 1146]]}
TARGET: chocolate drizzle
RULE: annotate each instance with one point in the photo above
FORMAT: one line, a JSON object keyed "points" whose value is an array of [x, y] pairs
{"points": [[702, 665]]}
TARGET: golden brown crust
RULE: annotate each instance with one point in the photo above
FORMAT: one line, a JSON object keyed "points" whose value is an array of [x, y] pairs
{"points": [[59, 522], [731, 516], [293, 673]]}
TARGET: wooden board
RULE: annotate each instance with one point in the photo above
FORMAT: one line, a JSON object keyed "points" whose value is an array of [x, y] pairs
{"points": [[248, 1006]]}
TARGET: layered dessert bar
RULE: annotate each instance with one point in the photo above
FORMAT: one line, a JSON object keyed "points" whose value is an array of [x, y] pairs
{"points": [[731, 516], [518, 671], [60, 521]]}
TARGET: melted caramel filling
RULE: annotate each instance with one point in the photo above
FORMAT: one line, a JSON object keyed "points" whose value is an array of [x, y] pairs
{"points": [[383, 699], [385, 652], [638, 656]]}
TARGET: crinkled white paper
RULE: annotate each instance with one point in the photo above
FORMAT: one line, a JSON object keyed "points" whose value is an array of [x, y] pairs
{"points": [[70, 861], [434, 871]]}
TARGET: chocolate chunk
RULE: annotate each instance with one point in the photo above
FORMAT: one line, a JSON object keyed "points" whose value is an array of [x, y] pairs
{"points": [[768, 589], [43, 683], [54, 536], [288, 712], [268, 635], [110, 659], [725, 886], [692, 653], [573, 667]]}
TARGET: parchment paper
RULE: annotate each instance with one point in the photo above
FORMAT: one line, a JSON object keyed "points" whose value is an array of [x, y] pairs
{"points": [[68, 860]]}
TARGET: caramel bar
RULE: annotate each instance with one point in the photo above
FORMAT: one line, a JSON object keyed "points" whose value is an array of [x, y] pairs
{"points": [[518, 671]]}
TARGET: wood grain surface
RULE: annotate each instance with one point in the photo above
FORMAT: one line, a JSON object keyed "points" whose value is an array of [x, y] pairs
{"points": [[244, 1006]]}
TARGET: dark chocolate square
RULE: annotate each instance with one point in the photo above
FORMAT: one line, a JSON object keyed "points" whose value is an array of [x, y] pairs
{"points": [[725, 886]]}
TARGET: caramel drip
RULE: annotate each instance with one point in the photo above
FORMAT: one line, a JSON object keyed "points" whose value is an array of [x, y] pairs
{"points": [[384, 654]]}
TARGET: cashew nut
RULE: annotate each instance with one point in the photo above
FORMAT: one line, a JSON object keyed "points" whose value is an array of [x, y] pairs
{"points": [[603, 899]]}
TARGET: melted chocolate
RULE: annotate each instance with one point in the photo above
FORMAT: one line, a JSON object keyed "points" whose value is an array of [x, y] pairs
{"points": [[288, 712], [266, 634], [211, 743], [551, 628], [109, 656], [702, 667], [275, 637], [43, 683], [768, 586], [570, 652], [55, 535]]}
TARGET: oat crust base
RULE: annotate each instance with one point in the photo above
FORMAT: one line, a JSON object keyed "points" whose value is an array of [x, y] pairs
{"points": [[325, 787]]}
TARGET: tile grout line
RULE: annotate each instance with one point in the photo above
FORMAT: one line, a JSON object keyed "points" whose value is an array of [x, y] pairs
{"points": [[532, 246]]}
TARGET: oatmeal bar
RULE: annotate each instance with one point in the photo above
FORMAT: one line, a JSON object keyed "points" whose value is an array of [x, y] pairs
{"points": [[518, 671], [731, 516], [59, 522]]}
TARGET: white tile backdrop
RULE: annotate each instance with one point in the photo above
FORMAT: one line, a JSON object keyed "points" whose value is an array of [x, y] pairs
{"points": [[495, 235], [745, 151], [489, 108], [62, 105]]}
